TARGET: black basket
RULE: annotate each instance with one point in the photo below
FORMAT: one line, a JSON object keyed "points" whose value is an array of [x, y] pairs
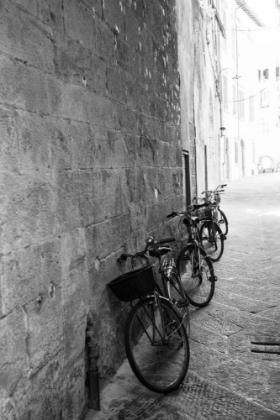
{"points": [[204, 213], [134, 285]]}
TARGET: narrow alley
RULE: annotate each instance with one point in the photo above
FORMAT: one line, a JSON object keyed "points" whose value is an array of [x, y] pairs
{"points": [[225, 379]]}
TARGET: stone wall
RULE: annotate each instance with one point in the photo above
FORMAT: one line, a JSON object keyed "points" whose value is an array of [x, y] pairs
{"points": [[200, 107], [90, 163]]}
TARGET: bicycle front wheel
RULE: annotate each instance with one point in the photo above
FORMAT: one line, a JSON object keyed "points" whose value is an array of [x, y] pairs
{"points": [[197, 275], [212, 240], [179, 298], [223, 222], [157, 345]]}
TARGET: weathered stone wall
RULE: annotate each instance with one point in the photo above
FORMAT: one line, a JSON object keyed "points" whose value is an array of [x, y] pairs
{"points": [[200, 113], [90, 163]]}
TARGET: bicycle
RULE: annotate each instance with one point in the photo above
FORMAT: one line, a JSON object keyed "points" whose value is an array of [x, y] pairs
{"points": [[193, 264], [156, 340], [214, 197]]}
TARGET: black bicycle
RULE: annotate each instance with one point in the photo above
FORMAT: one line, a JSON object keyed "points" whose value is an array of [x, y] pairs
{"points": [[214, 197], [193, 264], [156, 340]]}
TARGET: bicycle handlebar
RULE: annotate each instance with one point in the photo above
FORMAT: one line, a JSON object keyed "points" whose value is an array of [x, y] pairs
{"points": [[150, 242]]}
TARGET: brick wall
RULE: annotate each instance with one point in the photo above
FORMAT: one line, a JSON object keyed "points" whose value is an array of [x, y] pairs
{"points": [[90, 163]]}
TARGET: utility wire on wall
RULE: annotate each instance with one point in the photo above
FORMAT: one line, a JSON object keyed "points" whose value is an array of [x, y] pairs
{"points": [[245, 99]]}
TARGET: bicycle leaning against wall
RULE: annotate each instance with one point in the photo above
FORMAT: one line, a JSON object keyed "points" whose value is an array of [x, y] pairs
{"points": [[214, 197], [156, 340], [193, 264]]}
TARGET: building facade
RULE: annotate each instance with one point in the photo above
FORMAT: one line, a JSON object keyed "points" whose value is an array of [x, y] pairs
{"points": [[239, 90], [109, 120]]}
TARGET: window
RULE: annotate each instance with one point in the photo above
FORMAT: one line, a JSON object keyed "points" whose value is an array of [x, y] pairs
{"points": [[234, 100], [235, 152], [225, 92], [241, 109], [277, 74], [264, 98], [251, 114], [233, 46], [266, 74], [259, 75], [253, 152]]}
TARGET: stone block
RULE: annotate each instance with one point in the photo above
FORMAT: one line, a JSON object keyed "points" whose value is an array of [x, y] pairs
{"points": [[35, 142], [27, 5], [13, 358], [74, 292], [131, 29], [25, 38], [7, 408], [113, 198], [147, 151], [27, 212], [76, 64], [99, 241], [116, 84], [105, 237], [29, 272], [177, 181], [22, 86], [126, 119], [95, 5], [125, 149], [79, 22], [39, 396], [76, 103], [51, 13], [9, 159], [75, 309], [88, 199], [73, 390], [45, 328], [67, 201], [122, 54], [78, 201], [91, 146], [105, 42], [136, 189], [114, 15]]}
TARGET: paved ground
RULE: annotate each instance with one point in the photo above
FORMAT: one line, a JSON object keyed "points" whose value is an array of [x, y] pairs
{"points": [[225, 379]]}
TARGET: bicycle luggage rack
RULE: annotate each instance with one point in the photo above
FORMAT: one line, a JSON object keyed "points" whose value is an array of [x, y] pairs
{"points": [[266, 343]]}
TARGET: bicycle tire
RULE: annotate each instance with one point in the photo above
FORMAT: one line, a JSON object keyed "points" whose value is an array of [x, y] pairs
{"points": [[160, 368], [179, 298], [198, 282], [223, 222], [214, 247]]}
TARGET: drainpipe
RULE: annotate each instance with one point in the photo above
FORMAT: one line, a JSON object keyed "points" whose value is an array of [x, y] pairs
{"points": [[93, 372]]}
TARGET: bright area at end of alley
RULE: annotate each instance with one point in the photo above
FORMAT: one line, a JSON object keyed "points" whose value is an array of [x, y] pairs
{"points": [[226, 380]]}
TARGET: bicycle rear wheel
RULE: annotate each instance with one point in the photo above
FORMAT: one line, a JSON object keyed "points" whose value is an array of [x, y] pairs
{"points": [[179, 298], [197, 275], [223, 222], [157, 345], [212, 240]]}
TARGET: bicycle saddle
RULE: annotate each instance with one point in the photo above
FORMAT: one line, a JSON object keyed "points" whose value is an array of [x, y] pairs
{"points": [[160, 251]]}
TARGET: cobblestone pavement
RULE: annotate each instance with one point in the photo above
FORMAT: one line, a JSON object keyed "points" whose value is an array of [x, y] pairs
{"points": [[225, 379]]}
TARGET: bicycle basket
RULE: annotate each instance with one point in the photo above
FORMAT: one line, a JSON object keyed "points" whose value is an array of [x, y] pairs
{"points": [[133, 285], [203, 213]]}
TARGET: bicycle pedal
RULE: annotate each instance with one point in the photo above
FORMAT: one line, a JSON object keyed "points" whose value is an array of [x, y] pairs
{"points": [[215, 278], [224, 237]]}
